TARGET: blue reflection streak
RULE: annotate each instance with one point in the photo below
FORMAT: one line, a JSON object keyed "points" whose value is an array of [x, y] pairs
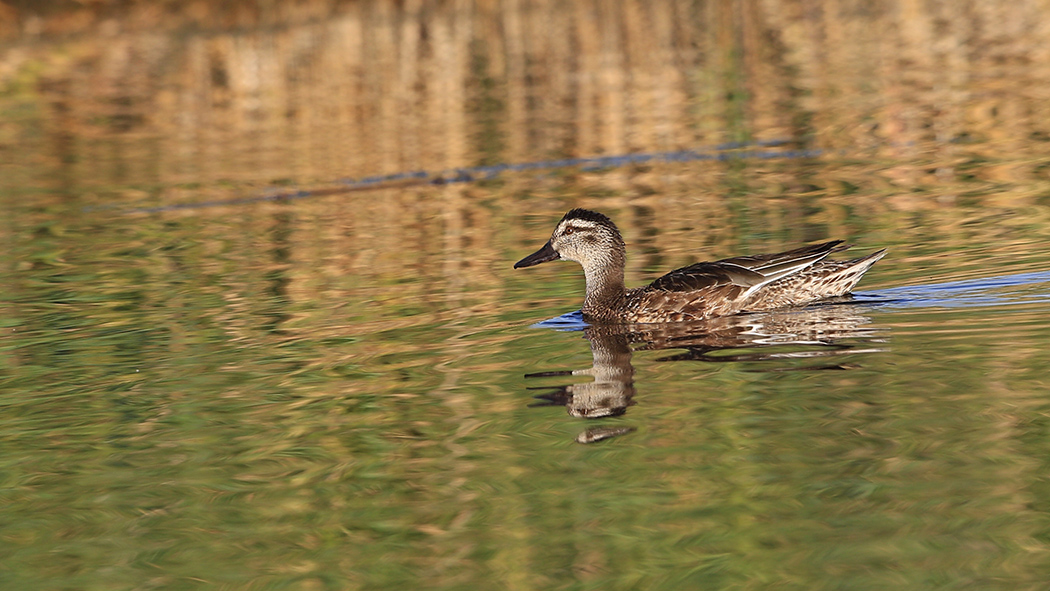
{"points": [[968, 293], [720, 152]]}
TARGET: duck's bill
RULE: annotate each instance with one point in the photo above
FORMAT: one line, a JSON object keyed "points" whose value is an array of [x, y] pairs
{"points": [[547, 253]]}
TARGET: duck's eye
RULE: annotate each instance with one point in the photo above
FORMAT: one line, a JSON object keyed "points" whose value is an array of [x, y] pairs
{"points": [[569, 231]]}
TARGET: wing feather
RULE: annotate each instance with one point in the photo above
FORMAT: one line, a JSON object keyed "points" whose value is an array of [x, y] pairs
{"points": [[749, 272]]}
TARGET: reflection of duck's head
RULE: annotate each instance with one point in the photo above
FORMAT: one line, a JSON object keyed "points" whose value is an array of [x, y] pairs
{"points": [[595, 400], [591, 400], [612, 390]]}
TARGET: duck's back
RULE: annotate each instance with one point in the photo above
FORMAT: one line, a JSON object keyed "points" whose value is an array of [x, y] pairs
{"points": [[747, 284]]}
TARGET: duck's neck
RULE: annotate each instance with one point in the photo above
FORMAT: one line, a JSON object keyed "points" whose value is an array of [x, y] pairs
{"points": [[605, 287]]}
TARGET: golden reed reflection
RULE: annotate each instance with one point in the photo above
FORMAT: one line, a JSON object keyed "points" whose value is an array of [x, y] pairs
{"points": [[789, 340], [379, 87]]}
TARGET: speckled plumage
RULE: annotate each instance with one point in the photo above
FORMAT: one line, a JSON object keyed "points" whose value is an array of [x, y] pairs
{"points": [[698, 291]]}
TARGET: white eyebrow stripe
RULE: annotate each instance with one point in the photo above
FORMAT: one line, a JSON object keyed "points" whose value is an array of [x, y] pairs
{"points": [[579, 225]]}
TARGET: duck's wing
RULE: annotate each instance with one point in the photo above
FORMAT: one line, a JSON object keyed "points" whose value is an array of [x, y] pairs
{"points": [[748, 273], [706, 276], [765, 263], [718, 288]]}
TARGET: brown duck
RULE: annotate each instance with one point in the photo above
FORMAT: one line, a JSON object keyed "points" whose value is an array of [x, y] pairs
{"points": [[698, 291]]}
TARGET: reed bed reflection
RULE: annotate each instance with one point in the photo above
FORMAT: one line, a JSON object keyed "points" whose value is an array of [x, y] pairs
{"points": [[380, 87], [932, 133]]}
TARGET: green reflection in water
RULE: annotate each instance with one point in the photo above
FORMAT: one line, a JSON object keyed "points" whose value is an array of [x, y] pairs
{"points": [[330, 393], [187, 402]]}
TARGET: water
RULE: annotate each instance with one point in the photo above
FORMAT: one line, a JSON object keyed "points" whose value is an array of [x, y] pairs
{"points": [[244, 346]]}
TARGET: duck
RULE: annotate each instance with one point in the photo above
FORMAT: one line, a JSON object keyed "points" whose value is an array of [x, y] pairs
{"points": [[736, 285]]}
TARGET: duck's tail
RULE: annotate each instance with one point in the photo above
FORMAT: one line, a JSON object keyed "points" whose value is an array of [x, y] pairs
{"points": [[821, 280], [849, 273]]}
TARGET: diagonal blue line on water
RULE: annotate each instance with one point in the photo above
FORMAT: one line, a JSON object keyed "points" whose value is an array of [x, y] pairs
{"points": [[1019, 288], [721, 152]]}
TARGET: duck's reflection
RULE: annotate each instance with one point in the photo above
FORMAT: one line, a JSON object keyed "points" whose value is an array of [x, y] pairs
{"points": [[610, 393], [822, 333]]}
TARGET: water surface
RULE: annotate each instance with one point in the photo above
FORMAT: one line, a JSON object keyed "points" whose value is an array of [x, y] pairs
{"points": [[231, 357]]}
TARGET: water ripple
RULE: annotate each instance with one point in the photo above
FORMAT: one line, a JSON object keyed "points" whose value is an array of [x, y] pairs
{"points": [[1020, 288]]}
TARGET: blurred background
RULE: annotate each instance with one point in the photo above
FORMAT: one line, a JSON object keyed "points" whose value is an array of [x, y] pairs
{"points": [[259, 326], [913, 108]]}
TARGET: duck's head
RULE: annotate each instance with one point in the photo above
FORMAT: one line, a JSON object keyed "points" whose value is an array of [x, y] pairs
{"points": [[584, 236]]}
